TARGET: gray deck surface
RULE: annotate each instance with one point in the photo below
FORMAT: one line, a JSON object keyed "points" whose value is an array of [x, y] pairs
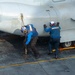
{"points": [[12, 61]]}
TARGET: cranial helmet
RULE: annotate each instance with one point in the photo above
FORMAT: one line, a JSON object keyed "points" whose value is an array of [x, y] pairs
{"points": [[24, 29], [52, 22]]}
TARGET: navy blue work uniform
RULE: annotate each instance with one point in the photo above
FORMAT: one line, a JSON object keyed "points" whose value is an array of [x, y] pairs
{"points": [[54, 38]]}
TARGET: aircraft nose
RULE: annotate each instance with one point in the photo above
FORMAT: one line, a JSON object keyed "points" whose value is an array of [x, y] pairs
{"points": [[10, 24]]}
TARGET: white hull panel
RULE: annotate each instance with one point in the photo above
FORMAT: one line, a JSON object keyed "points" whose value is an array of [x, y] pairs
{"points": [[38, 14]]}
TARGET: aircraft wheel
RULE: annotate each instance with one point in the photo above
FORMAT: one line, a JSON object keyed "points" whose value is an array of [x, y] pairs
{"points": [[67, 44]]}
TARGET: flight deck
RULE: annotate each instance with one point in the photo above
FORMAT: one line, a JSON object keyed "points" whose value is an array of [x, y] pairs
{"points": [[12, 61]]}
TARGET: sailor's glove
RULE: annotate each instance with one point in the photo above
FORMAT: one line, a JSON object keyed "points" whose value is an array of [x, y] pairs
{"points": [[44, 26]]}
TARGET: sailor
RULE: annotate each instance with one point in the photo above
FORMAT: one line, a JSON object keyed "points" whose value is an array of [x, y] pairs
{"points": [[54, 42], [31, 38]]}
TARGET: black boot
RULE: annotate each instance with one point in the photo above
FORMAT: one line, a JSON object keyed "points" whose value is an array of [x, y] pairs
{"points": [[37, 56], [56, 56]]}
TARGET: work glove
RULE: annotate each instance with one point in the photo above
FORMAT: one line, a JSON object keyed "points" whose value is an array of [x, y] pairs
{"points": [[44, 26]]}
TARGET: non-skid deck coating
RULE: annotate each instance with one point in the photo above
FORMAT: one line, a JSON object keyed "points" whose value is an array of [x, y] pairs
{"points": [[12, 61]]}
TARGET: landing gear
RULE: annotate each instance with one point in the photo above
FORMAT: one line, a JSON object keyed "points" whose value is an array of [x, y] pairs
{"points": [[67, 44]]}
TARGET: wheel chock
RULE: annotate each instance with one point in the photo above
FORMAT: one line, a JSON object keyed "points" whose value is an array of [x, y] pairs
{"points": [[67, 48], [62, 49]]}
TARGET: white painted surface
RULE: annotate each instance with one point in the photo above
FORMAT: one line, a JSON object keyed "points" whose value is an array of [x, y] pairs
{"points": [[39, 13]]}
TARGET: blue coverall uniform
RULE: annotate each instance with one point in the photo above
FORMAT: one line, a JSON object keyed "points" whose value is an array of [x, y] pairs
{"points": [[54, 38]]}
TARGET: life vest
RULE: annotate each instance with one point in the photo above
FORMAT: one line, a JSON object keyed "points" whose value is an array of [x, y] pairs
{"points": [[32, 29]]}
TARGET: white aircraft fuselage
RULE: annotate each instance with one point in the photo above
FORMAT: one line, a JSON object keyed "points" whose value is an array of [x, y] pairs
{"points": [[38, 13]]}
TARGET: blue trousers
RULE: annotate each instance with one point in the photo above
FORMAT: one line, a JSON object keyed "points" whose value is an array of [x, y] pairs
{"points": [[54, 44]]}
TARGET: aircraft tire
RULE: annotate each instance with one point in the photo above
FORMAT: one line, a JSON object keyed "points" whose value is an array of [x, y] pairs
{"points": [[67, 44]]}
